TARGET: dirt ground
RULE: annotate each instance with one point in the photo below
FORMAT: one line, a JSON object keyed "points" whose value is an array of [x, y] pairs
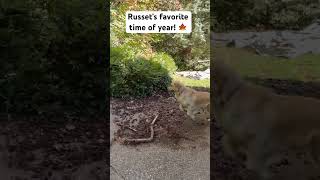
{"points": [[170, 127], [134, 117], [41, 149], [38, 149]]}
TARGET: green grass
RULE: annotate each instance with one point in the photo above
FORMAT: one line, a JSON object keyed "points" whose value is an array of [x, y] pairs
{"points": [[303, 68], [192, 82]]}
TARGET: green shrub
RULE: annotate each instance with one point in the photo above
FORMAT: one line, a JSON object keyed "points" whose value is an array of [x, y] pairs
{"points": [[135, 76], [118, 70], [166, 61]]}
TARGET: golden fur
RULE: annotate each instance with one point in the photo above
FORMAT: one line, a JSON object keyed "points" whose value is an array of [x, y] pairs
{"points": [[258, 124], [195, 103]]}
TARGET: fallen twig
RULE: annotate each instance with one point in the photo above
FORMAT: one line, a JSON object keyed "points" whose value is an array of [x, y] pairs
{"points": [[131, 128], [143, 140]]}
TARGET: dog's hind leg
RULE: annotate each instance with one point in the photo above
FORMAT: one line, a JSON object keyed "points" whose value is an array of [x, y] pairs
{"points": [[190, 113]]}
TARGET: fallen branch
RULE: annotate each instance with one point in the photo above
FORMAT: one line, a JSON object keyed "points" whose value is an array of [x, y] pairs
{"points": [[143, 140]]}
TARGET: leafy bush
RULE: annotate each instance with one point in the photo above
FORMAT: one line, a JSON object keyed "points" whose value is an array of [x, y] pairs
{"points": [[118, 70], [52, 57], [136, 76], [166, 61]]}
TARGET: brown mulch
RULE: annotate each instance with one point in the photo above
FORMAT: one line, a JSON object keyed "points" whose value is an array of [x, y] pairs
{"points": [[135, 117]]}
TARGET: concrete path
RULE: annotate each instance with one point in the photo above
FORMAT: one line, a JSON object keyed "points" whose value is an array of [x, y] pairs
{"points": [[190, 159]]}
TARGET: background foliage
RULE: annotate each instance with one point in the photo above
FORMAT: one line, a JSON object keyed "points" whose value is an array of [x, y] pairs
{"points": [[52, 57], [259, 14], [191, 51]]}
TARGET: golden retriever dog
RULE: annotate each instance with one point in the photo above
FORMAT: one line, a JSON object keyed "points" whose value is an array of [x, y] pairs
{"points": [[259, 124], [195, 103]]}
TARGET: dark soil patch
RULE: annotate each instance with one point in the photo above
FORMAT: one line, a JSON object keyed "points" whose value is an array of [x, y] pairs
{"points": [[55, 150], [225, 168], [136, 115]]}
